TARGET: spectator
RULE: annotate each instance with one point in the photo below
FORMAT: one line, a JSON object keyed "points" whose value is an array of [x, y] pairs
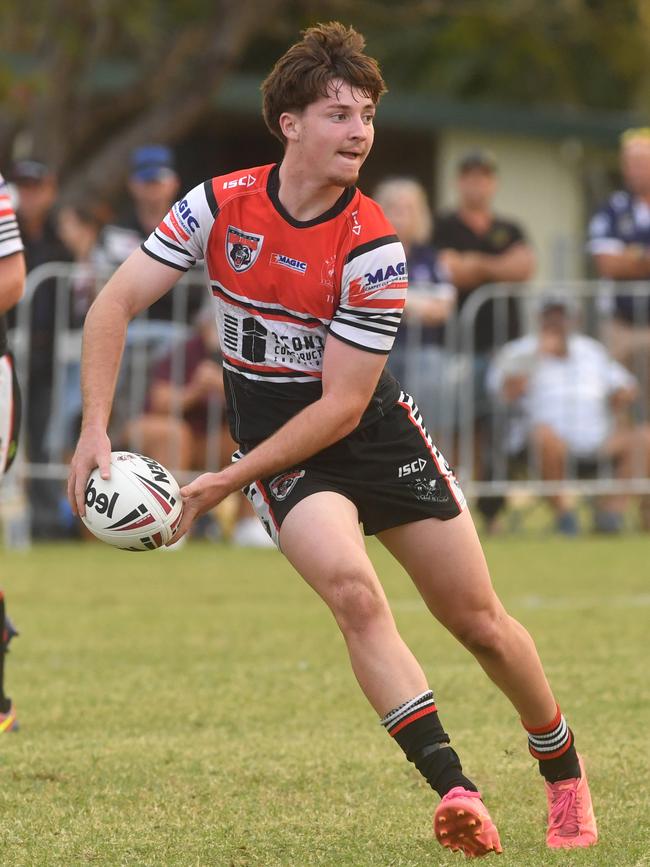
{"points": [[37, 189], [480, 247], [79, 227], [153, 188], [567, 399], [619, 241], [418, 357], [184, 426]]}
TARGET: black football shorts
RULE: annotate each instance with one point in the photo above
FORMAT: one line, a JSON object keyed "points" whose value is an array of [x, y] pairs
{"points": [[390, 470], [9, 412]]}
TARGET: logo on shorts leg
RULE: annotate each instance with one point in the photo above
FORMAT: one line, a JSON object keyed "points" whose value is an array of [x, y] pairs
{"points": [[282, 485], [428, 491]]}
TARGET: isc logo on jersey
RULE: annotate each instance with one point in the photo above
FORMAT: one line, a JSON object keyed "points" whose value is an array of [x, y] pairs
{"points": [[381, 278], [288, 262], [243, 181]]}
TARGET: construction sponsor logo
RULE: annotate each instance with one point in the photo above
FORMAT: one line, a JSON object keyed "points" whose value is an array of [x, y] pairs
{"points": [[242, 248], [282, 485], [288, 262], [243, 181]]}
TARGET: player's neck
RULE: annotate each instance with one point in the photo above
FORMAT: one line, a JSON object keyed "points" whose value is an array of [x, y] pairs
{"points": [[302, 195]]}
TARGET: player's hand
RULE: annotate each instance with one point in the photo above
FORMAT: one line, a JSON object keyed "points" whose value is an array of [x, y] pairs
{"points": [[201, 495], [93, 450]]}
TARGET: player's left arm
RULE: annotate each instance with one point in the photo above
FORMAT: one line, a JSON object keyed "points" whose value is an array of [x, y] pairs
{"points": [[350, 376]]}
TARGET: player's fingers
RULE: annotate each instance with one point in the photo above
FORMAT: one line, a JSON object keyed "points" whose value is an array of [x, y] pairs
{"points": [[80, 496], [71, 492], [183, 527]]}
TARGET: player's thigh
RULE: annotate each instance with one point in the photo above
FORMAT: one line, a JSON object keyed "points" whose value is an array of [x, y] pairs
{"points": [[321, 538], [446, 563]]}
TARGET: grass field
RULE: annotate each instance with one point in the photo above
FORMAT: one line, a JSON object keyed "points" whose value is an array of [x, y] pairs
{"points": [[196, 708]]}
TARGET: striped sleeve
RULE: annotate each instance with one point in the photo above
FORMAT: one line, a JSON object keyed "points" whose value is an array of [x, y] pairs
{"points": [[10, 241], [373, 293], [180, 239]]}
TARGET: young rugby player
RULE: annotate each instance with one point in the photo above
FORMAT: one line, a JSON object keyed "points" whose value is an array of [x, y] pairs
{"points": [[309, 281], [12, 279]]}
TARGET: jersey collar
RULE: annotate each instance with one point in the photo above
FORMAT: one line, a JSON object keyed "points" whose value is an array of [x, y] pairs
{"points": [[273, 189]]}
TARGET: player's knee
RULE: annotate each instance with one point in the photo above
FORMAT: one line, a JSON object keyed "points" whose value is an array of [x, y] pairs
{"points": [[355, 602], [483, 632]]}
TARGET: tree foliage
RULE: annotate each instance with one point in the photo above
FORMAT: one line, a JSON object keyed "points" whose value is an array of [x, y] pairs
{"points": [[82, 83], [107, 75]]}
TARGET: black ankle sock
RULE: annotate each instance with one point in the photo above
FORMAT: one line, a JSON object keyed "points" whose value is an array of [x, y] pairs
{"points": [[417, 729], [553, 746], [565, 767]]}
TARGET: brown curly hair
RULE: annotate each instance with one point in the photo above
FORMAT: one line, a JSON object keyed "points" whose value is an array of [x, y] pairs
{"points": [[304, 73]]}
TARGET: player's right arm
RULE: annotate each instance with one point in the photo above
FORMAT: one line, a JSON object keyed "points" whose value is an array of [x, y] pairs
{"points": [[139, 282]]}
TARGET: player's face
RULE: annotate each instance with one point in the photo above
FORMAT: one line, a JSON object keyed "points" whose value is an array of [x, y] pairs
{"points": [[636, 167], [334, 134]]}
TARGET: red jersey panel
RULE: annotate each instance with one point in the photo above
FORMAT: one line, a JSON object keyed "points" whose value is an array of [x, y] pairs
{"points": [[10, 243], [281, 286]]}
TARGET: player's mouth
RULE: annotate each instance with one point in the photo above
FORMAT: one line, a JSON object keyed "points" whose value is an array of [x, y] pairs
{"points": [[351, 155]]}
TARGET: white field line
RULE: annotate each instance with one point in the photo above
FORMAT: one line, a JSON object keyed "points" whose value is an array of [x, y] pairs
{"points": [[564, 603]]}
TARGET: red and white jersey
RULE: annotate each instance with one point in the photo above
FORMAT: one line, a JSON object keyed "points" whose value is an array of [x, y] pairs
{"points": [[10, 243], [281, 286], [9, 235]]}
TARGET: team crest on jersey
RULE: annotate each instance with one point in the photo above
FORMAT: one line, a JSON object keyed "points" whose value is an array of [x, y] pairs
{"points": [[282, 485], [242, 248]]}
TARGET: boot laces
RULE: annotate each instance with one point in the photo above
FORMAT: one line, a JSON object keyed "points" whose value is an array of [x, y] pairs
{"points": [[564, 812]]}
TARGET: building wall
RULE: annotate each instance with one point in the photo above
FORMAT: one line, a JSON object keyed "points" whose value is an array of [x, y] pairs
{"points": [[540, 185]]}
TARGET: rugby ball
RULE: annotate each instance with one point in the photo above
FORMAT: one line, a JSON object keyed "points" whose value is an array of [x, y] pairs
{"points": [[138, 508]]}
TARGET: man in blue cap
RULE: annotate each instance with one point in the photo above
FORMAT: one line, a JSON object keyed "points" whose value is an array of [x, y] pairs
{"points": [[153, 187]]}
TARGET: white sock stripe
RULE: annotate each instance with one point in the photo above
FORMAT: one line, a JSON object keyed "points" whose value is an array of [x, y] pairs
{"points": [[553, 740], [406, 707], [546, 735], [407, 711]]}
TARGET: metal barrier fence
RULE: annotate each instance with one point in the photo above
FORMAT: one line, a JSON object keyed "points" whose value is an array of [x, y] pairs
{"points": [[469, 423]]}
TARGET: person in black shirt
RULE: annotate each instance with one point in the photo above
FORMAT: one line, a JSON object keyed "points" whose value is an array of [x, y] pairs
{"points": [[479, 247], [37, 190]]}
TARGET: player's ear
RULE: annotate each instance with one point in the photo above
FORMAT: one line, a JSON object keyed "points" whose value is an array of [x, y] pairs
{"points": [[290, 125]]}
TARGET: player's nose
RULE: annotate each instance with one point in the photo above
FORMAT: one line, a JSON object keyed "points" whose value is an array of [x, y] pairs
{"points": [[358, 130]]}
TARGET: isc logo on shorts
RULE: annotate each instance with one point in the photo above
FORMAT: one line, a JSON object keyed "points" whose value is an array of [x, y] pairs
{"points": [[414, 467]]}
